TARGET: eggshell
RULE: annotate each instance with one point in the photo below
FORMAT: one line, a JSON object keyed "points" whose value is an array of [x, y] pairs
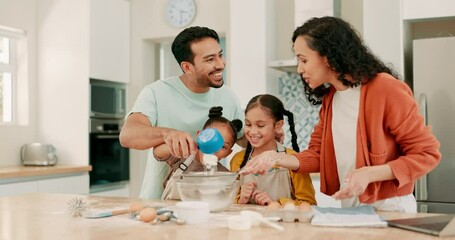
{"points": [[135, 207], [289, 206], [305, 206], [147, 214], [274, 206]]}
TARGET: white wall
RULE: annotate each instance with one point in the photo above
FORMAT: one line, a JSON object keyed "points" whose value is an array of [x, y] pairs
{"points": [[21, 14], [58, 47], [63, 70], [251, 45]]}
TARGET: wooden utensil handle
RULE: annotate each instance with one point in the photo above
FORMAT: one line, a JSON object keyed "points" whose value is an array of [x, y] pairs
{"points": [[119, 212]]}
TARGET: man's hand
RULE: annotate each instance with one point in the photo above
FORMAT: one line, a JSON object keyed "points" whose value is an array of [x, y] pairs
{"points": [[181, 144]]}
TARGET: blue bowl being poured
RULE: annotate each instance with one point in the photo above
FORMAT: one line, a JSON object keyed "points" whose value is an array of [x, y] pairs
{"points": [[210, 141]]}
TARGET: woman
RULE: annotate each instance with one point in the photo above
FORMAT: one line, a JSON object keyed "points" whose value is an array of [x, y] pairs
{"points": [[370, 144]]}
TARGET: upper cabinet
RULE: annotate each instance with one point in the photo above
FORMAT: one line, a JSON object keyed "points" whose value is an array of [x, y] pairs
{"points": [[303, 10], [110, 40], [422, 9], [390, 38]]}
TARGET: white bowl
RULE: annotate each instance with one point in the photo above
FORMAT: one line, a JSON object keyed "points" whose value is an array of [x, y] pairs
{"points": [[219, 195], [193, 212]]}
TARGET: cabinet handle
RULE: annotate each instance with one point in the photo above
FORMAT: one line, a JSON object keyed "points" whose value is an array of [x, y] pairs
{"points": [[421, 187], [107, 136]]}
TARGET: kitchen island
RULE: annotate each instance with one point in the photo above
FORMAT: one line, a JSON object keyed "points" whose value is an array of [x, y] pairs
{"points": [[45, 216]]}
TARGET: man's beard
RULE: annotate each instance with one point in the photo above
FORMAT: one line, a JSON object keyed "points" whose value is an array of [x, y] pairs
{"points": [[216, 86]]}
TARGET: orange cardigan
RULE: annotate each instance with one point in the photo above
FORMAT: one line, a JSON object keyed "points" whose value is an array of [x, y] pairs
{"points": [[389, 131]]}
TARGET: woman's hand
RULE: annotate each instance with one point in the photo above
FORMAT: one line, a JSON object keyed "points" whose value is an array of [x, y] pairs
{"points": [[246, 190], [356, 183], [261, 163], [358, 180], [261, 198]]}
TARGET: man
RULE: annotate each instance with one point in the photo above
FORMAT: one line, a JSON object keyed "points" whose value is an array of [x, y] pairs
{"points": [[172, 110]]}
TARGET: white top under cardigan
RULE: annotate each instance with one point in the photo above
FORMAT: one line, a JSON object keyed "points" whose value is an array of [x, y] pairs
{"points": [[345, 111]]}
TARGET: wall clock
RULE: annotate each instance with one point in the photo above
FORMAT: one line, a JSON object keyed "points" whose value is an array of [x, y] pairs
{"points": [[180, 13]]}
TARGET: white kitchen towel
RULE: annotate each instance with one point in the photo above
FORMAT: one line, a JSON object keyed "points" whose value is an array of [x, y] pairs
{"points": [[363, 216]]}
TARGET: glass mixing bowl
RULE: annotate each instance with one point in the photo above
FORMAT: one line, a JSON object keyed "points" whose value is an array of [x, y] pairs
{"points": [[204, 177], [220, 195]]}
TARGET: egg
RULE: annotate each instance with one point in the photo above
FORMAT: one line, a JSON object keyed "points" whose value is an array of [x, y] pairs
{"points": [[305, 206], [135, 207], [274, 206], [289, 206], [147, 214]]}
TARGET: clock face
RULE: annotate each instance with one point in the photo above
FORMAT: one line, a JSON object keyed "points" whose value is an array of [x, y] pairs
{"points": [[181, 13]]}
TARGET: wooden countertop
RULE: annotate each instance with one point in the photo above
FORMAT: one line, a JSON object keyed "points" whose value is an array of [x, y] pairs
{"points": [[33, 171], [45, 216]]}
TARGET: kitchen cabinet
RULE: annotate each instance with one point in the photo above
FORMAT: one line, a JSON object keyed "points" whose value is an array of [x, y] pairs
{"points": [[303, 11], [72, 184], [78, 184], [110, 40], [421, 9], [18, 188], [390, 38], [120, 189]]}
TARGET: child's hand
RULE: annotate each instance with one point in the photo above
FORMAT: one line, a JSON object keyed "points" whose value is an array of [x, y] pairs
{"points": [[245, 192], [262, 163], [261, 198]]}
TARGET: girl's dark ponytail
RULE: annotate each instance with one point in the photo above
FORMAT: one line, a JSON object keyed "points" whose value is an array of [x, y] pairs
{"points": [[247, 154], [290, 116]]}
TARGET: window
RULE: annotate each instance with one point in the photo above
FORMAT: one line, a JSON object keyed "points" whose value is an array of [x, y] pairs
{"points": [[5, 81], [10, 39]]}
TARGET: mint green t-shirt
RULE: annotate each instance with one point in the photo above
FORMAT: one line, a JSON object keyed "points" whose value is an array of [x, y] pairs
{"points": [[169, 103]]}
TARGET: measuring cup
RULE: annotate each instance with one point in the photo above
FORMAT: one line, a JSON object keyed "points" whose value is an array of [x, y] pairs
{"points": [[210, 141], [257, 218]]}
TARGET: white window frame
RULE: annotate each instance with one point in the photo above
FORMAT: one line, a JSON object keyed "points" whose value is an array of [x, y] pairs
{"points": [[14, 36]]}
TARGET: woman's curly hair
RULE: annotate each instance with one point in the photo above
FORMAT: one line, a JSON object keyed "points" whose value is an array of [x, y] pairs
{"points": [[337, 40]]}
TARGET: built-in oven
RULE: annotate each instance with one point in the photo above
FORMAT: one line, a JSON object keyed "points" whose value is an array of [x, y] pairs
{"points": [[109, 160]]}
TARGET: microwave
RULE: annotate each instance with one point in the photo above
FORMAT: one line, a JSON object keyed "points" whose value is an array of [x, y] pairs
{"points": [[107, 99]]}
